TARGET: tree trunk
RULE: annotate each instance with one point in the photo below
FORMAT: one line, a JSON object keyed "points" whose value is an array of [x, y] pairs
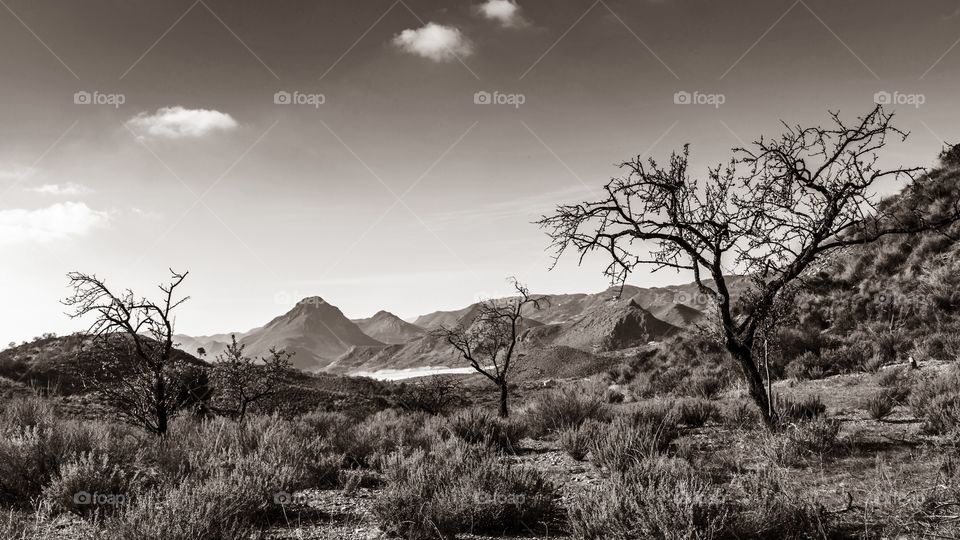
{"points": [[160, 398], [503, 400], [744, 357]]}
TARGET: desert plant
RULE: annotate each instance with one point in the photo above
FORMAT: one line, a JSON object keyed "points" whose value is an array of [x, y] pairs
{"points": [[632, 437], [480, 427], [818, 435], [694, 412], [798, 409], [880, 404], [565, 407], [739, 414], [458, 488], [577, 440], [657, 498]]}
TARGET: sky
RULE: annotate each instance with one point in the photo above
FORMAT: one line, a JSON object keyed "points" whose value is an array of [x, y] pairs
{"points": [[392, 154]]}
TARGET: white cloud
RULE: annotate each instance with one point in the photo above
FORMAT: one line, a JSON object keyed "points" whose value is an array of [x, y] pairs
{"points": [[16, 172], [178, 122], [434, 41], [506, 12], [146, 214], [69, 188], [55, 222]]}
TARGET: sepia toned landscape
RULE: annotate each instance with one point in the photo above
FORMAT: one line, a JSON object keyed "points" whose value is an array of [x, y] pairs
{"points": [[225, 321]]}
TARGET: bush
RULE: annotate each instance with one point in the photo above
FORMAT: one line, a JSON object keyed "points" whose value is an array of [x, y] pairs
{"points": [[935, 398], [818, 435], [943, 414], [658, 498], [565, 407], [880, 404], [476, 426], [90, 483], [740, 414], [630, 438], [222, 507], [460, 488], [799, 409], [809, 366], [694, 412], [704, 385], [577, 440]]}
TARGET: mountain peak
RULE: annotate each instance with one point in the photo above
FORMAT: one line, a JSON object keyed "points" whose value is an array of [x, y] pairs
{"points": [[312, 301]]}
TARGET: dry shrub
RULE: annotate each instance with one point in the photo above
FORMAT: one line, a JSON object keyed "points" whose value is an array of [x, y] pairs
{"points": [[645, 433], [564, 407], [740, 414], [89, 483], [809, 366], [577, 440], [656, 498], [704, 385], [799, 409], [477, 426], [936, 399], [880, 404], [694, 412], [458, 488]]}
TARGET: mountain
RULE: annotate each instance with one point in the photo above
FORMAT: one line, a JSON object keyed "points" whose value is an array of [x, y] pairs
{"points": [[388, 328], [437, 319], [617, 325], [213, 345], [316, 331]]}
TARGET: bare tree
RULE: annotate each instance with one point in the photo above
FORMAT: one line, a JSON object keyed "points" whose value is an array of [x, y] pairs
{"points": [[127, 354], [489, 342], [777, 209], [240, 381], [432, 395]]}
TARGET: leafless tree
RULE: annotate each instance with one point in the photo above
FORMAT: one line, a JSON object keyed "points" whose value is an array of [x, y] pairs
{"points": [[240, 381], [777, 209], [489, 342], [432, 395], [127, 354]]}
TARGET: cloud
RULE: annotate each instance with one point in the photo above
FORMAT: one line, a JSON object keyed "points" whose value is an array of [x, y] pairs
{"points": [[55, 222], [17, 172], [506, 12], [146, 214], [434, 41], [178, 123], [69, 188]]}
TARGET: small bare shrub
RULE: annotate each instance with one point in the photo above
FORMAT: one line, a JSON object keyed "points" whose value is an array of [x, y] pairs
{"points": [[818, 435], [658, 498], [476, 426], [740, 414], [695, 412], [880, 404], [704, 385], [564, 407], [799, 409], [577, 440], [632, 437], [461, 488]]}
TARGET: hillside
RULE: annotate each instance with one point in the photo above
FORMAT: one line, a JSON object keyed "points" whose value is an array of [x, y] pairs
{"points": [[388, 328], [317, 332]]}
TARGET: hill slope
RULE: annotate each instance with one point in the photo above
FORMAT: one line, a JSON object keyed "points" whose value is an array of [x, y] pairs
{"points": [[388, 328]]}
